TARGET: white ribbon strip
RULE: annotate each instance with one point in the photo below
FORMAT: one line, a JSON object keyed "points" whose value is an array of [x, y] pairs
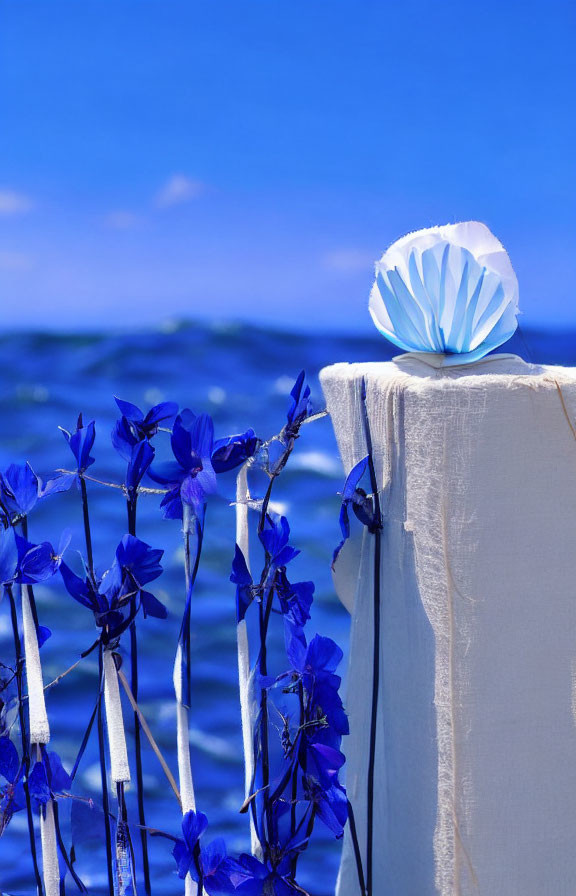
{"points": [[39, 726], [184, 765], [50, 869], [187, 796], [243, 646], [119, 768]]}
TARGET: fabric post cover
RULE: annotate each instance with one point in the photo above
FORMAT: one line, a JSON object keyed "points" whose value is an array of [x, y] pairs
{"points": [[475, 785]]}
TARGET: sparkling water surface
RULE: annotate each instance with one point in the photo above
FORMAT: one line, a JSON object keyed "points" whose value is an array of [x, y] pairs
{"points": [[242, 376]]}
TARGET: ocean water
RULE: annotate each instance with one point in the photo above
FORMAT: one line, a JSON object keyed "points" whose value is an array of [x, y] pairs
{"points": [[242, 376]]}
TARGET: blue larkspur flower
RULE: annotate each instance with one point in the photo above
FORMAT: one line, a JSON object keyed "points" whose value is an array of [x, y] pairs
{"points": [[300, 407], [241, 577], [134, 426], [12, 796], [24, 562], [354, 497], [111, 597], [230, 452], [81, 442], [256, 878], [21, 489], [275, 536], [315, 665], [194, 825], [190, 477]]}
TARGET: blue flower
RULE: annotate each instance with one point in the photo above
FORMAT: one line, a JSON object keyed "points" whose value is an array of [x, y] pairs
{"points": [[141, 457], [257, 878], [135, 565], [81, 442], [331, 804], [314, 666], [8, 556], [12, 797], [217, 868], [322, 762], [47, 778], [133, 427], [36, 562], [295, 599], [111, 598], [57, 776], [210, 862], [185, 851], [232, 451], [9, 760], [190, 477], [356, 498], [300, 407], [24, 562], [245, 590], [38, 785], [19, 489], [274, 537]]}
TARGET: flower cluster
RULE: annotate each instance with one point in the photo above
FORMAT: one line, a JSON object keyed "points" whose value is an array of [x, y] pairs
{"points": [[296, 779], [297, 732]]}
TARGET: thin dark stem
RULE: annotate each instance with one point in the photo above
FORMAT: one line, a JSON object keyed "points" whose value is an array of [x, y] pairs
{"points": [[103, 778], [25, 748], [190, 573], [295, 776], [356, 845], [87, 532], [264, 611], [64, 851], [377, 530], [29, 588], [131, 507]]}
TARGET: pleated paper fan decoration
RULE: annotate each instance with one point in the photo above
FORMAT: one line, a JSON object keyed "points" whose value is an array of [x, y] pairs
{"points": [[448, 290]]}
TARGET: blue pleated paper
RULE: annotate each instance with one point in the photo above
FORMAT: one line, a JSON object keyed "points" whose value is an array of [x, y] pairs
{"points": [[433, 294]]}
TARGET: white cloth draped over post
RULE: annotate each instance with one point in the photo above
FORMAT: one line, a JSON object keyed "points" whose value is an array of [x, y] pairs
{"points": [[475, 784]]}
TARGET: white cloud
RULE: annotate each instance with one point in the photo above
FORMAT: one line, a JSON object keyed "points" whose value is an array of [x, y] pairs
{"points": [[122, 220], [177, 190], [13, 203], [348, 261], [15, 261]]}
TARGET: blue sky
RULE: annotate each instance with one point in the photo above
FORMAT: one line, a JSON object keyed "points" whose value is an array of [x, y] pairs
{"points": [[251, 158]]}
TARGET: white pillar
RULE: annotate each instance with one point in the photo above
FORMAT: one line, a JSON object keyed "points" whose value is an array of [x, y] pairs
{"points": [[475, 786]]}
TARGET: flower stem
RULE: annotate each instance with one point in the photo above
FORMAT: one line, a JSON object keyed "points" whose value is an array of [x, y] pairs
{"points": [[356, 846], [376, 646], [264, 610], [131, 508], [100, 715], [295, 776], [25, 749], [87, 533]]}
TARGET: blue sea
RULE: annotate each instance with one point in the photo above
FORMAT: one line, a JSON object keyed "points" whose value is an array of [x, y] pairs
{"points": [[242, 376]]}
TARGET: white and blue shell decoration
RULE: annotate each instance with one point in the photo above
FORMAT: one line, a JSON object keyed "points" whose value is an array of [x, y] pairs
{"points": [[450, 290]]}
